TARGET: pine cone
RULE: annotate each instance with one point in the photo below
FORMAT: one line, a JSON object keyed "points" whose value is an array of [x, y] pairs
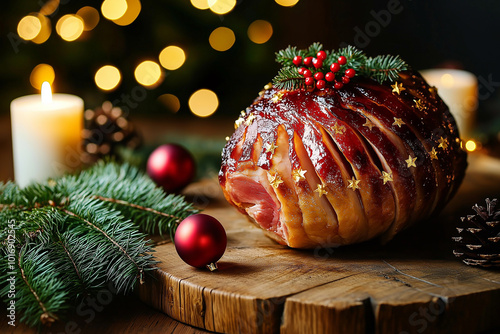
{"points": [[478, 241], [106, 128]]}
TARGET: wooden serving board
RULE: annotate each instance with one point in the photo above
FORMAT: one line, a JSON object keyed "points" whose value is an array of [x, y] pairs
{"points": [[411, 285]]}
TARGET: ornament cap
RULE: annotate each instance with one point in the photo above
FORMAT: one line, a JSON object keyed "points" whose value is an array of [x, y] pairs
{"points": [[212, 266]]}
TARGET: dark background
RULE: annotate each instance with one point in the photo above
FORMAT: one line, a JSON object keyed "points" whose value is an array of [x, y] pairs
{"points": [[456, 33]]}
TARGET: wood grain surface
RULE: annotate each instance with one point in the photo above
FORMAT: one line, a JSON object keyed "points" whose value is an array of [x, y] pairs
{"points": [[411, 285]]}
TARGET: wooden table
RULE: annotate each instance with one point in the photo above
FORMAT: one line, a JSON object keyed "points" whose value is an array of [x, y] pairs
{"points": [[414, 284]]}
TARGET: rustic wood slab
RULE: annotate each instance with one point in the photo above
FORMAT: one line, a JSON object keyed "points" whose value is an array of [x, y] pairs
{"points": [[411, 285]]}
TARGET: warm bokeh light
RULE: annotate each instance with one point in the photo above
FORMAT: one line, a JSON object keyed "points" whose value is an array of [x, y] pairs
{"points": [[45, 31], [470, 146], [113, 9], [49, 7], [170, 101], [203, 102], [200, 4], [172, 57], [148, 73], [40, 74], [222, 39], [132, 12], [90, 17], [447, 80], [70, 27], [287, 3], [221, 7], [29, 27], [107, 77], [260, 31]]}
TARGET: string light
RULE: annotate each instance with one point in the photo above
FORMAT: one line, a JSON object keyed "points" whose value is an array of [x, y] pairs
{"points": [[90, 17], [49, 7], [69, 27], [148, 73], [113, 9], [45, 31], [287, 3], [107, 77], [170, 101], [200, 4], [132, 12], [172, 57], [470, 146], [221, 7], [203, 102], [29, 27], [260, 31], [40, 74], [222, 39]]}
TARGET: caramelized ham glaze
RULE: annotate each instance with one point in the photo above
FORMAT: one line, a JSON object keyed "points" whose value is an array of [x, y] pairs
{"points": [[335, 167]]}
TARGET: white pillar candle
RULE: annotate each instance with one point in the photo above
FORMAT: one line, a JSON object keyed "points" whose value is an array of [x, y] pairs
{"points": [[46, 135], [458, 89]]}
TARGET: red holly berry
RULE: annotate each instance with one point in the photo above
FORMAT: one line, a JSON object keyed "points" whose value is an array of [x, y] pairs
{"points": [[338, 85], [309, 81], [330, 76], [307, 73], [317, 63], [301, 70], [345, 79], [342, 60], [318, 75], [320, 84], [335, 67], [308, 61], [297, 60], [350, 73], [321, 55]]}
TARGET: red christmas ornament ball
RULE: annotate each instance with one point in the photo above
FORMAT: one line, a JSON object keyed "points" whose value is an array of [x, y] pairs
{"points": [[200, 241], [172, 167]]}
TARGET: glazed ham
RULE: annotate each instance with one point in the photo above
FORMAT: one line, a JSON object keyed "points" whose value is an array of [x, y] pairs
{"points": [[335, 167]]}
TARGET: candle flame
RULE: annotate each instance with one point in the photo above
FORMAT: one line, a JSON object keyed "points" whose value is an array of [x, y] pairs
{"points": [[46, 93]]}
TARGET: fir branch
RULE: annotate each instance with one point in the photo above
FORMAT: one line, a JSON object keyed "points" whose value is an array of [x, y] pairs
{"points": [[285, 56], [73, 237], [355, 57], [125, 183], [384, 68], [70, 257], [135, 206], [381, 68], [289, 78], [140, 269], [314, 48], [46, 317], [40, 293]]}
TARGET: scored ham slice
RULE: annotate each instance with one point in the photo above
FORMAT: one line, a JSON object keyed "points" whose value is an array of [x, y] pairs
{"points": [[335, 167]]}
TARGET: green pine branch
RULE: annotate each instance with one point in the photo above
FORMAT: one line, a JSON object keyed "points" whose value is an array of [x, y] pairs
{"points": [[76, 235], [40, 292], [289, 78], [380, 68], [383, 68]]}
